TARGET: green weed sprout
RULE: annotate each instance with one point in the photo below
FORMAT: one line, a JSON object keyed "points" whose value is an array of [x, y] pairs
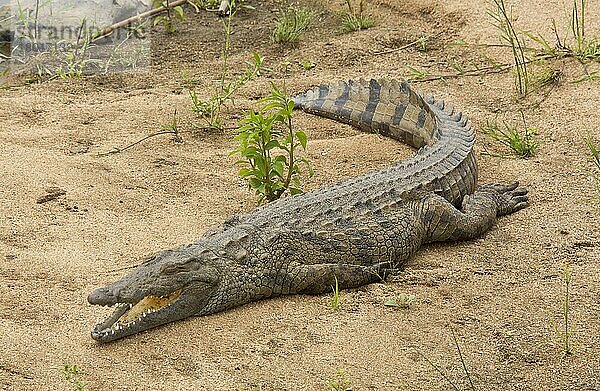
{"points": [[73, 374], [402, 301]]}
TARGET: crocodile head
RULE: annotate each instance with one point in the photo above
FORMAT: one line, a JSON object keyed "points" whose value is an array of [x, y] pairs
{"points": [[169, 286]]}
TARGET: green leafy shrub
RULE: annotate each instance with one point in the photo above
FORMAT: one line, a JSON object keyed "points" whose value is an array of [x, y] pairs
{"points": [[268, 147]]}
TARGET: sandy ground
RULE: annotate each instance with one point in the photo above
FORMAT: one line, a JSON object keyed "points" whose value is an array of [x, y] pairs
{"points": [[499, 293]]}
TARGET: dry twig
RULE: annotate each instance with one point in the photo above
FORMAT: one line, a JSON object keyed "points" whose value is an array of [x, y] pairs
{"points": [[109, 29], [407, 45]]}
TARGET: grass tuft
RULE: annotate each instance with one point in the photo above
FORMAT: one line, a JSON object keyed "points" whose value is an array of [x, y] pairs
{"points": [[422, 44], [416, 74], [503, 21], [335, 299], [444, 375], [595, 153], [566, 333], [543, 75], [522, 144], [291, 24], [356, 20], [353, 22]]}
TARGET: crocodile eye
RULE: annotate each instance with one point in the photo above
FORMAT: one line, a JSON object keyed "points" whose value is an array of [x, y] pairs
{"points": [[173, 269]]}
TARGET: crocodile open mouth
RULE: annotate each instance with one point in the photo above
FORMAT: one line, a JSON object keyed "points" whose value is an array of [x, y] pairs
{"points": [[127, 315]]}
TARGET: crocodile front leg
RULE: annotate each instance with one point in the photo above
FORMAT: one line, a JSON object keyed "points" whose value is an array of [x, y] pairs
{"points": [[479, 212], [320, 278]]}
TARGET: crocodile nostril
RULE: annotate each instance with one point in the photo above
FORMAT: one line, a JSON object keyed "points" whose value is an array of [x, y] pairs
{"points": [[101, 296]]}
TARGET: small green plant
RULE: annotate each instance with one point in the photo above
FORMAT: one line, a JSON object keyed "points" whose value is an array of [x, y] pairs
{"points": [[595, 159], [422, 43], [172, 127], [566, 333], [578, 24], [73, 375], [27, 19], [543, 75], [335, 299], [584, 48], [307, 65], [457, 66], [502, 20], [75, 60], [356, 20], [417, 74], [291, 24], [209, 109], [588, 76], [401, 301], [168, 19], [522, 145], [268, 145], [594, 151], [215, 5], [51, 55], [207, 4], [341, 382]]}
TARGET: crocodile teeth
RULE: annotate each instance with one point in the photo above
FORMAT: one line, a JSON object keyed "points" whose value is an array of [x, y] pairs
{"points": [[127, 315]]}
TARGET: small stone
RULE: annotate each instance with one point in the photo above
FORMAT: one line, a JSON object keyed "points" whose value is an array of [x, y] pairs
{"points": [[52, 193]]}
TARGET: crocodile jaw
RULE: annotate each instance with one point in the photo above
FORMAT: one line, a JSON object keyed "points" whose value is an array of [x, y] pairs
{"points": [[170, 285], [130, 318]]}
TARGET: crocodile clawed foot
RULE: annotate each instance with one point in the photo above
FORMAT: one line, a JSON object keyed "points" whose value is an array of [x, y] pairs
{"points": [[510, 198]]}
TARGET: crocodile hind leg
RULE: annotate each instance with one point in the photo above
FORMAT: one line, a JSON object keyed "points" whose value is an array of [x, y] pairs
{"points": [[478, 213]]}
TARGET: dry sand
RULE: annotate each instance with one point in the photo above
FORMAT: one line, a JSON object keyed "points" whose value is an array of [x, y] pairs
{"points": [[499, 293]]}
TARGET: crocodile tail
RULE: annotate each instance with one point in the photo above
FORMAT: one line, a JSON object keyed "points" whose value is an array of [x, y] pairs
{"points": [[388, 107], [446, 163]]}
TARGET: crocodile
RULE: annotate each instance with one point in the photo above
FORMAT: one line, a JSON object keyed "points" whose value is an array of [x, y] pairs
{"points": [[355, 232]]}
